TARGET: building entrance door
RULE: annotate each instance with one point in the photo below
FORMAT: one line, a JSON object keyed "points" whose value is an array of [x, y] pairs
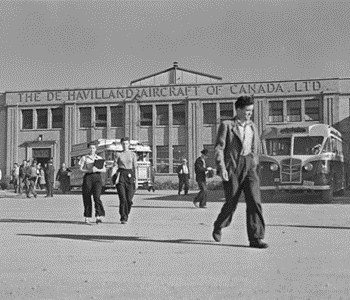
{"points": [[42, 155]]}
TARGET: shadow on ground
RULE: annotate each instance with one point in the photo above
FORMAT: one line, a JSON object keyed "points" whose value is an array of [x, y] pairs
{"points": [[218, 196], [106, 238]]}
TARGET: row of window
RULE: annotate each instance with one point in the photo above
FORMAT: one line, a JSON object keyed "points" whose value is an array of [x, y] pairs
{"points": [[100, 116], [179, 113], [295, 110], [279, 111], [42, 118], [97, 116], [53, 118]]}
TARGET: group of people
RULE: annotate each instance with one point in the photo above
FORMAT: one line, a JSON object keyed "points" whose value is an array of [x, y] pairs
{"points": [[124, 176], [236, 152], [202, 172], [31, 176]]}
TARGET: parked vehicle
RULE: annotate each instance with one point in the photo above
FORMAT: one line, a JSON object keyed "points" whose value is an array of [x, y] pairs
{"points": [[307, 158]]}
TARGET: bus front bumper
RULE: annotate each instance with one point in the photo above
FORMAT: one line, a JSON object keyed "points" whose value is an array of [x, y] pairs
{"points": [[295, 188]]}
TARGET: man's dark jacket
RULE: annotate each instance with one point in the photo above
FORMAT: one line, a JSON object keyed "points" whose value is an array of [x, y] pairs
{"points": [[200, 170], [229, 143], [49, 173]]}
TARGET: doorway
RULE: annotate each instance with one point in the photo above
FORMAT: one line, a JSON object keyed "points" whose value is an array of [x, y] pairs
{"points": [[41, 155]]}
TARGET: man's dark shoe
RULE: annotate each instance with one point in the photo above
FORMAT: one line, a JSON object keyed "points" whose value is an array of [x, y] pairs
{"points": [[217, 235], [202, 206], [258, 244]]}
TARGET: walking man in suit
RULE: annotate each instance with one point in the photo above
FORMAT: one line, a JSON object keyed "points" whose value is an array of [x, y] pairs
{"points": [[201, 173], [237, 154], [184, 176]]}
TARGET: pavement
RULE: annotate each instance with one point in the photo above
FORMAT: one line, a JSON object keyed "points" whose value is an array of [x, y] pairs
{"points": [[166, 250]]}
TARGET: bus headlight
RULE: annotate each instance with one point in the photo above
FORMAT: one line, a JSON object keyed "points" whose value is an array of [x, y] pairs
{"points": [[273, 167], [308, 167]]}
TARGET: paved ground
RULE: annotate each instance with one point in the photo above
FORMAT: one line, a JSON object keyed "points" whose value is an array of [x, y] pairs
{"points": [[166, 250]]}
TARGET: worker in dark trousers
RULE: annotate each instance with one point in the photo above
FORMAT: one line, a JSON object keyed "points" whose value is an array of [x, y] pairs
{"points": [[92, 184], [49, 171], [200, 200], [237, 156], [126, 178], [31, 175], [184, 176]]}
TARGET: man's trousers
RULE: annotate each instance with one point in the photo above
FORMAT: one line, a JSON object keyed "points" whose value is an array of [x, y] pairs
{"points": [[243, 178]]}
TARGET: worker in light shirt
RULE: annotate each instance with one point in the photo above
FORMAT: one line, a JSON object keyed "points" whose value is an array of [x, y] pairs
{"points": [[184, 176]]}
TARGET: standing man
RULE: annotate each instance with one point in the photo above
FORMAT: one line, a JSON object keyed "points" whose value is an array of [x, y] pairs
{"points": [[237, 155], [184, 176], [21, 184], [201, 173], [125, 164], [49, 178], [63, 177], [15, 177], [31, 176]]}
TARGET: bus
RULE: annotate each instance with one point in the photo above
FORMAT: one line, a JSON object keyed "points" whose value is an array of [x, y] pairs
{"points": [[107, 149], [311, 159]]}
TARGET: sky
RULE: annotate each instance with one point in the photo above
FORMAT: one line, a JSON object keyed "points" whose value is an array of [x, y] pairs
{"points": [[107, 44]]}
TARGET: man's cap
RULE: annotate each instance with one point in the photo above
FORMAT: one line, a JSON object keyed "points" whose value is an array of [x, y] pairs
{"points": [[205, 151]]}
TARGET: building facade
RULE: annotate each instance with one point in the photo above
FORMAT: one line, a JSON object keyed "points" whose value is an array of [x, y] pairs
{"points": [[176, 111]]}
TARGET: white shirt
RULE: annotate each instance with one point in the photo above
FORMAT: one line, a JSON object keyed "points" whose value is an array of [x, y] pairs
{"points": [[87, 162], [184, 170], [247, 135]]}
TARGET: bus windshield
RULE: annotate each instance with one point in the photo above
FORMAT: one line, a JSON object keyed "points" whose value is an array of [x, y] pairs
{"points": [[276, 147], [307, 145]]}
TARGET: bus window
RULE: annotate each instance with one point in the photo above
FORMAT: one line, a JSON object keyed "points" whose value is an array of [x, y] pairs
{"points": [[278, 146], [307, 145]]}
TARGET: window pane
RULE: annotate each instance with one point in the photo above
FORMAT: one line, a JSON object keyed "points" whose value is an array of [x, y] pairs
{"points": [[162, 114], [275, 111], [226, 111], [179, 114], [162, 159], [146, 115], [312, 110], [294, 111], [41, 115], [209, 113], [117, 116], [277, 147], [27, 119], [85, 117], [57, 117], [101, 116], [307, 145], [179, 152]]}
